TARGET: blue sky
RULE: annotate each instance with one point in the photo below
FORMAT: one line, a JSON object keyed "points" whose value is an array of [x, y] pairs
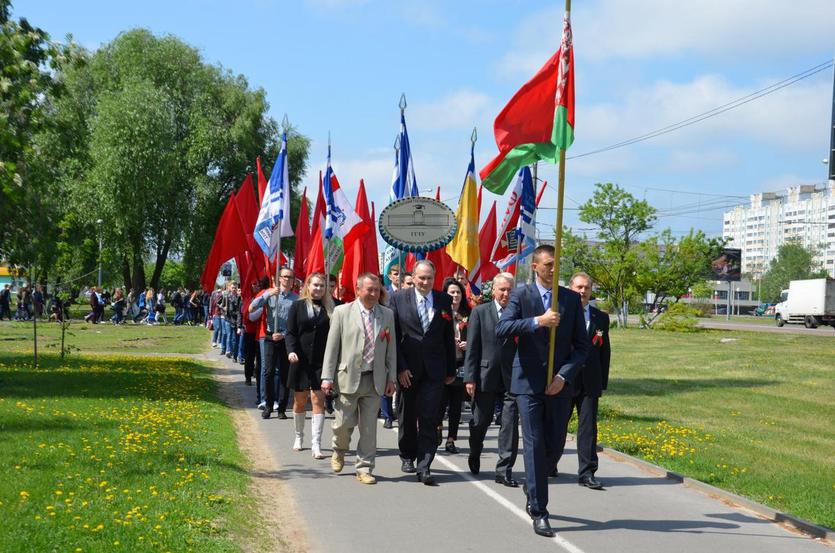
{"points": [[341, 65]]}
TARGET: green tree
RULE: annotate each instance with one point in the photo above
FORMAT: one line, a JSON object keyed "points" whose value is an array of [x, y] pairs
{"points": [[613, 262], [160, 141], [30, 83], [670, 268], [793, 262]]}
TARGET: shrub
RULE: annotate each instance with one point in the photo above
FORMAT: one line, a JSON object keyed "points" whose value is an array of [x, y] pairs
{"points": [[679, 317]]}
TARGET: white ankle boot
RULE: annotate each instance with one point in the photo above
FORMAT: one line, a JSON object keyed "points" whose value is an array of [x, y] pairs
{"points": [[298, 419], [316, 431]]}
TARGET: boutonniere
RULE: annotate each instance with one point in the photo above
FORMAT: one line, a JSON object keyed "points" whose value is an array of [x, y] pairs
{"points": [[598, 338], [445, 315], [462, 324], [385, 335]]}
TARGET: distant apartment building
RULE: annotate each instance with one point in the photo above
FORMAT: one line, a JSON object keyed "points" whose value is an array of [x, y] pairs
{"points": [[805, 213]]}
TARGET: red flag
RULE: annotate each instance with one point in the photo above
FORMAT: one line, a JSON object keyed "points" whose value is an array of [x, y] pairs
{"points": [[303, 238], [358, 256], [229, 242], [315, 262], [247, 207], [486, 270], [372, 255], [262, 183]]}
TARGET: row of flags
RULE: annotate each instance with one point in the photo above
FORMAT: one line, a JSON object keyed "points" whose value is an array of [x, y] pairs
{"points": [[536, 124]]}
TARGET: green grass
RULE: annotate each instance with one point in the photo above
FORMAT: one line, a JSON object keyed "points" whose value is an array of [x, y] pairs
{"points": [[86, 337], [112, 452], [747, 319], [754, 416]]}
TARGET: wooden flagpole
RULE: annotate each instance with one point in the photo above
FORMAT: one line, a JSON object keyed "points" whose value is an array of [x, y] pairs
{"points": [[555, 284]]}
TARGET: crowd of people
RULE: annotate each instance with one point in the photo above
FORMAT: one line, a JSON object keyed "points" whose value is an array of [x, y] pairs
{"points": [[190, 307], [407, 353]]}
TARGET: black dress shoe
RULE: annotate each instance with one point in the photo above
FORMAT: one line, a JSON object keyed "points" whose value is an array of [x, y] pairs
{"points": [[450, 448], [282, 415], [426, 478], [506, 481], [249, 382], [554, 473], [387, 423], [527, 500], [408, 466], [265, 414], [474, 462], [542, 527], [591, 483]]}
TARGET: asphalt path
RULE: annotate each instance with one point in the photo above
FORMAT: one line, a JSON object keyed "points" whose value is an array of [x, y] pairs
{"points": [[720, 324], [637, 512]]}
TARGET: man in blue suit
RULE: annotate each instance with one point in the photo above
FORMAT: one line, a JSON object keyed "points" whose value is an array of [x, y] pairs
{"points": [[543, 405]]}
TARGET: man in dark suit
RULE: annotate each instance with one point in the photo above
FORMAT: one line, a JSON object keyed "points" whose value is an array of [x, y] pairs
{"points": [[590, 383], [487, 372], [425, 362], [543, 405]]}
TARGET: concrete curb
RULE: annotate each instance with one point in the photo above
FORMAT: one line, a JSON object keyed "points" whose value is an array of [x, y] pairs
{"points": [[813, 530]]}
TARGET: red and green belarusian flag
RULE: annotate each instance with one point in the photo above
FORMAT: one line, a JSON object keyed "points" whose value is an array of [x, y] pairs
{"points": [[538, 121]]}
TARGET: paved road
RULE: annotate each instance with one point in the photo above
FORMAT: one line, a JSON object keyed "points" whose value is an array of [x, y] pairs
{"points": [[790, 329], [637, 512]]}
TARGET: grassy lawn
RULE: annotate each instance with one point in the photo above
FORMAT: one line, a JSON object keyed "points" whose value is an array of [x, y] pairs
{"points": [[128, 338], [112, 452], [747, 319], [755, 416]]}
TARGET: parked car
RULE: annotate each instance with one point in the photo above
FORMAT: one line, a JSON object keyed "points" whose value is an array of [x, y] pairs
{"points": [[764, 310]]}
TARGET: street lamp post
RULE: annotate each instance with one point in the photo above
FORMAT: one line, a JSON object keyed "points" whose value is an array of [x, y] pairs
{"points": [[99, 222]]}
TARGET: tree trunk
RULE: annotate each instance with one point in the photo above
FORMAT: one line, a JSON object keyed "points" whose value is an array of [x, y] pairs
{"points": [[126, 274], [162, 256], [138, 271]]}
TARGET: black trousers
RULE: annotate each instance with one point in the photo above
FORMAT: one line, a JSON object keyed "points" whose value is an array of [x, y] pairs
{"points": [[417, 415], [252, 361], [453, 397], [586, 407], [275, 361], [508, 441]]}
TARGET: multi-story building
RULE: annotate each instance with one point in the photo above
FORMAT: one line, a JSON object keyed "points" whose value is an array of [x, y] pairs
{"points": [[805, 213]]}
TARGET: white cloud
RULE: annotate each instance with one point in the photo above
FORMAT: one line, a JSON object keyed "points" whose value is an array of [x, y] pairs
{"points": [[646, 29], [458, 110]]}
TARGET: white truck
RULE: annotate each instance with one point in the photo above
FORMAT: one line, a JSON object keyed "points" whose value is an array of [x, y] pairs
{"points": [[810, 302]]}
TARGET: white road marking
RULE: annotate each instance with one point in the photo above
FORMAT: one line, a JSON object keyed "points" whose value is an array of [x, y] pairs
{"points": [[501, 500]]}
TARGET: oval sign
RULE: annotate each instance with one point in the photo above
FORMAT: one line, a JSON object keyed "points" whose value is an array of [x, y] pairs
{"points": [[417, 224]]}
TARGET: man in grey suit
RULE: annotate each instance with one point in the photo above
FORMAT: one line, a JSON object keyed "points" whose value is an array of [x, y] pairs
{"points": [[360, 363], [487, 371]]}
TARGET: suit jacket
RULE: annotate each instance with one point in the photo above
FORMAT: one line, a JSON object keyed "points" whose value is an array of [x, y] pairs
{"points": [[594, 375], [489, 361], [530, 366], [430, 355], [342, 362], [307, 336]]}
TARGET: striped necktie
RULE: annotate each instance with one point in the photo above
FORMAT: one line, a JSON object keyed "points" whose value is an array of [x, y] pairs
{"points": [[368, 348], [424, 314]]}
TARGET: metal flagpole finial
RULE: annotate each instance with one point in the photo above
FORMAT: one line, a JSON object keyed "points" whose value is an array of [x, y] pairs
{"points": [[474, 136], [285, 123], [329, 140], [402, 103]]}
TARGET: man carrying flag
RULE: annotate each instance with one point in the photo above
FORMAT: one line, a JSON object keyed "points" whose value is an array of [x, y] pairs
{"points": [[537, 124]]}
